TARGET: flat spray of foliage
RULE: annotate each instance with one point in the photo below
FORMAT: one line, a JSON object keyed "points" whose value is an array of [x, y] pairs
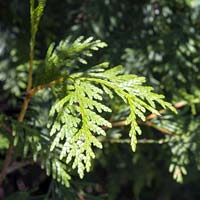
{"points": [[79, 114]]}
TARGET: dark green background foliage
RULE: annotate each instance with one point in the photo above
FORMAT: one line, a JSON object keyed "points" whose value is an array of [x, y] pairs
{"points": [[159, 40]]}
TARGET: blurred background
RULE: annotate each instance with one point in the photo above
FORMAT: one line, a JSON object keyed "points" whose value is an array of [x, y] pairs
{"points": [[156, 39]]}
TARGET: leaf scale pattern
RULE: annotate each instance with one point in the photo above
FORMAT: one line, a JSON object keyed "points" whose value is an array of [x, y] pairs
{"points": [[78, 119], [78, 116]]}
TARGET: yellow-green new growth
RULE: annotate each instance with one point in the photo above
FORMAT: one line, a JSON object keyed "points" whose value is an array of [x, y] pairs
{"points": [[78, 119]]}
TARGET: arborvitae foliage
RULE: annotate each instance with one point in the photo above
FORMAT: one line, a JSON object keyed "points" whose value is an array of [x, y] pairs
{"points": [[77, 118]]}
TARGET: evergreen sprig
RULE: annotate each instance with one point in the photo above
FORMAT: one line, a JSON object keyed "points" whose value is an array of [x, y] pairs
{"points": [[77, 118], [68, 55], [35, 144], [35, 14]]}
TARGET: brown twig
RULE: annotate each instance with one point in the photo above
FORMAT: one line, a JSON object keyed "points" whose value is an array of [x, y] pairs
{"points": [[162, 130], [34, 90], [176, 105], [152, 116], [147, 123]]}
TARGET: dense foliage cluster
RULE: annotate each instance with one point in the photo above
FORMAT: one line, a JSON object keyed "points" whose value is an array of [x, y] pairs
{"points": [[79, 107]]}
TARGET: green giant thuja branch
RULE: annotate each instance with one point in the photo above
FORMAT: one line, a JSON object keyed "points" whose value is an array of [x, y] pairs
{"points": [[76, 118]]}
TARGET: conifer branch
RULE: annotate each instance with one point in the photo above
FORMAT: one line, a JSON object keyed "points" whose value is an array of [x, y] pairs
{"points": [[162, 130], [34, 90], [177, 105], [147, 123], [35, 15]]}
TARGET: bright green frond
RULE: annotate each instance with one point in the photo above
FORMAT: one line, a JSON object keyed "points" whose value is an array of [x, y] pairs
{"points": [[76, 123], [77, 116]]}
